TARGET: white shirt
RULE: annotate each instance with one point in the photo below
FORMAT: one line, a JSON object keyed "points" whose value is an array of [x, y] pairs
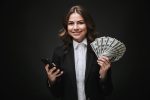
{"points": [[80, 50]]}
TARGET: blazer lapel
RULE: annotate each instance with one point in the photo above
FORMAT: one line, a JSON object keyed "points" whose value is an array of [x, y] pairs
{"points": [[89, 60], [70, 64]]}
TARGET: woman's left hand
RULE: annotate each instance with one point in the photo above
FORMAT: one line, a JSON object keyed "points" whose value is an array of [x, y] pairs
{"points": [[105, 64]]}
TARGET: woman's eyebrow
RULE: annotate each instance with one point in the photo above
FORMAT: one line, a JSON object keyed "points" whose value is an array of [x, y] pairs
{"points": [[77, 21]]}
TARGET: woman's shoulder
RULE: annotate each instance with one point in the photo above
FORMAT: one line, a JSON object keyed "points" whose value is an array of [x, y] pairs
{"points": [[62, 49], [58, 48]]}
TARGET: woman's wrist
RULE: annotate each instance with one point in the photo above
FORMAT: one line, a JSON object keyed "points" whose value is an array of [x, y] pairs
{"points": [[50, 83], [102, 75]]}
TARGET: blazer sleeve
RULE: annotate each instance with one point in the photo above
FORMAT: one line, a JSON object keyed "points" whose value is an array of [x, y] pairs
{"points": [[56, 87], [106, 84]]}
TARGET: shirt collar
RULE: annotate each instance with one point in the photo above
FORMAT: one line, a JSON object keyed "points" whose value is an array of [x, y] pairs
{"points": [[75, 43]]}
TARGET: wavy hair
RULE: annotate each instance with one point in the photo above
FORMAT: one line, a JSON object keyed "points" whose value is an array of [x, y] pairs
{"points": [[63, 33]]}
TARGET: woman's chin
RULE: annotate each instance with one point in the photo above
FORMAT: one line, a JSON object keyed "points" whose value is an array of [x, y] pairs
{"points": [[78, 39]]}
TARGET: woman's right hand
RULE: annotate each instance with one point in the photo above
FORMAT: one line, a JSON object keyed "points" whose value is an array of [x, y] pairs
{"points": [[53, 73]]}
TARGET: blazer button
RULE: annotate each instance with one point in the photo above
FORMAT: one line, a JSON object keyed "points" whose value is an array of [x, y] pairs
{"points": [[88, 98]]}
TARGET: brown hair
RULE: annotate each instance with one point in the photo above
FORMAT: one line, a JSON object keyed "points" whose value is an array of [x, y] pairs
{"points": [[63, 33]]}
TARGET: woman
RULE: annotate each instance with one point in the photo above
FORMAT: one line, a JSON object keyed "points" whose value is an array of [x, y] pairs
{"points": [[83, 75]]}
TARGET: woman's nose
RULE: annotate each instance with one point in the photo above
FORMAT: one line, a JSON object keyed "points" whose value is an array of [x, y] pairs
{"points": [[75, 27]]}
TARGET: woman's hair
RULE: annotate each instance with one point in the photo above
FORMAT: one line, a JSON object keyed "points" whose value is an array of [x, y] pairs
{"points": [[63, 33]]}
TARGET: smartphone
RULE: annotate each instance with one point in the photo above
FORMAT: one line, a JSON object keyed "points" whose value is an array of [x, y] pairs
{"points": [[48, 61]]}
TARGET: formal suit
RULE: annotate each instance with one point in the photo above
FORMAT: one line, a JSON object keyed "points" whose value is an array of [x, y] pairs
{"points": [[66, 88]]}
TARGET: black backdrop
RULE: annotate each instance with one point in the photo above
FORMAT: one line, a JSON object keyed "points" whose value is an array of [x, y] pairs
{"points": [[29, 32]]}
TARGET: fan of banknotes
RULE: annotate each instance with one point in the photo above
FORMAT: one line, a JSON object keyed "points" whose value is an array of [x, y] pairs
{"points": [[108, 46]]}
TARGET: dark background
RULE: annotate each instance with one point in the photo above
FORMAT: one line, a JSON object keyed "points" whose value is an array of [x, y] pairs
{"points": [[29, 31]]}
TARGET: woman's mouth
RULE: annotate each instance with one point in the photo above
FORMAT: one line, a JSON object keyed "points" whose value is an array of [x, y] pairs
{"points": [[76, 33]]}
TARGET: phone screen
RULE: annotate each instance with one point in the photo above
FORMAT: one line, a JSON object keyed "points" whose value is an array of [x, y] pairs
{"points": [[51, 64]]}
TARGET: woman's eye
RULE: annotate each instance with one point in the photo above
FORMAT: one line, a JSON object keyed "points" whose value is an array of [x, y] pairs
{"points": [[70, 23], [78, 23], [81, 23]]}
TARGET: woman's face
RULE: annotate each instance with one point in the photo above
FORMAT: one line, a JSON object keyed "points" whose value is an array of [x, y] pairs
{"points": [[77, 28]]}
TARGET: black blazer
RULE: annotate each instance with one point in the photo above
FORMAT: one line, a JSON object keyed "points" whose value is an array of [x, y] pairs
{"points": [[66, 88]]}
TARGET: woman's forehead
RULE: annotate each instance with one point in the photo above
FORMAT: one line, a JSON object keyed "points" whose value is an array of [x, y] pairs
{"points": [[75, 16]]}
